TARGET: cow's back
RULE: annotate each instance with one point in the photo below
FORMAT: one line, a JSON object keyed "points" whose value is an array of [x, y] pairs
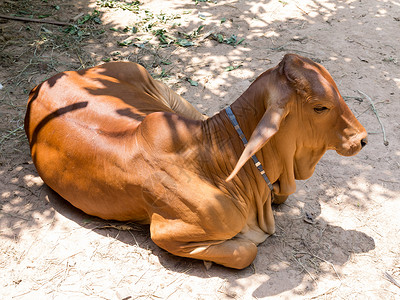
{"points": [[81, 127]]}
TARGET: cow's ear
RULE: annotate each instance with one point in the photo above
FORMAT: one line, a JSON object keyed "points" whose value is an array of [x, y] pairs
{"points": [[265, 129], [293, 67]]}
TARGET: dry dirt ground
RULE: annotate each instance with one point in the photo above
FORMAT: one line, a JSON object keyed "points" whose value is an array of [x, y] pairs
{"points": [[49, 249]]}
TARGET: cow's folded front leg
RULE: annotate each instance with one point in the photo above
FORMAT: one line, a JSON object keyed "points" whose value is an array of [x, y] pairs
{"points": [[188, 240], [234, 253]]}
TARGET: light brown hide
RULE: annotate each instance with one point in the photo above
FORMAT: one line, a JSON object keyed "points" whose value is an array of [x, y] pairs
{"points": [[120, 145]]}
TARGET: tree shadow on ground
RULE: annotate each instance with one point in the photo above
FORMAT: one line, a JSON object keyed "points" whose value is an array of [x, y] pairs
{"points": [[299, 251]]}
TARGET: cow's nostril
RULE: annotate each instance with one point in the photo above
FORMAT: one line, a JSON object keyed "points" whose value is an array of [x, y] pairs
{"points": [[364, 142]]}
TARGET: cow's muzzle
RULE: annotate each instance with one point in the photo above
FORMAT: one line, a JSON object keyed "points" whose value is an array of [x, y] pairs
{"points": [[353, 145]]}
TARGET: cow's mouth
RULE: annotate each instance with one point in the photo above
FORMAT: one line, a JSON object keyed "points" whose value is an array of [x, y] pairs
{"points": [[353, 146], [350, 150]]}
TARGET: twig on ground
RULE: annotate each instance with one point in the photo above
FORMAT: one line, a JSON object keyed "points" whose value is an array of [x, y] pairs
{"points": [[120, 227], [7, 136], [23, 294], [14, 216], [329, 263], [142, 276], [53, 22], [391, 279], [298, 6], [385, 141], [359, 99], [283, 48], [80, 60], [389, 181], [305, 269], [329, 291], [22, 71], [25, 252], [176, 288]]}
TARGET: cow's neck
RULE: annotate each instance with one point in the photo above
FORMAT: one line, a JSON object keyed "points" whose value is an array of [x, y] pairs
{"points": [[225, 146]]}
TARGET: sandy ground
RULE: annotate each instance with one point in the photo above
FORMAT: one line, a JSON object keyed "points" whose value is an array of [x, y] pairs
{"points": [[50, 250]]}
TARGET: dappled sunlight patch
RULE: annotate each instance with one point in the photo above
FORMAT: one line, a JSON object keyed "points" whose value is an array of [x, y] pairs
{"points": [[347, 59], [360, 193], [358, 204], [6, 195], [339, 215], [271, 33], [357, 195], [382, 194], [45, 214], [278, 266], [397, 81], [325, 8], [296, 210], [32, 180], [17, 206], [360, 165], [359, 183], [17, 201], [381, 12]]}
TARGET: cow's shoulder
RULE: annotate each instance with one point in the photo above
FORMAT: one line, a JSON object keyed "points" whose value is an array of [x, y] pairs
{"points": [[165, 132]]}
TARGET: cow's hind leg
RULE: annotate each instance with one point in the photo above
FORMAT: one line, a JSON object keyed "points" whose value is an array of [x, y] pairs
{"points": [[235, 253]]}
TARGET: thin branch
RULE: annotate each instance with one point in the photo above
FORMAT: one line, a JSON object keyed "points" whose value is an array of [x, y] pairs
{"points": [[305, 269], [7, 136], [53, 22], [328, 262], [329, 291], [385, 141], [391, 279]]}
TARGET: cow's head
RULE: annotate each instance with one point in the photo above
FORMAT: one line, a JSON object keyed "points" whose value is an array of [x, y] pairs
{"points": [[305, 116]]}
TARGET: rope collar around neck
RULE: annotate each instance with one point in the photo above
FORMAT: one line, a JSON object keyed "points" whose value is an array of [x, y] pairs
{"points": [[257, 163]]}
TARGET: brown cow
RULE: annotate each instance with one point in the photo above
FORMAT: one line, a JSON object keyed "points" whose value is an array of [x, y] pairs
{"points": [[119, 145]]}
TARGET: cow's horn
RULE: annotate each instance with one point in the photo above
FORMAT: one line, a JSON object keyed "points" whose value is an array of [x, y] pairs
{"points": [[266, 128]]}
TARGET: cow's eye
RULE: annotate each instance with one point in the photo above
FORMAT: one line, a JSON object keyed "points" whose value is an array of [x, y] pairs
{"points": [[320, 109]]}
